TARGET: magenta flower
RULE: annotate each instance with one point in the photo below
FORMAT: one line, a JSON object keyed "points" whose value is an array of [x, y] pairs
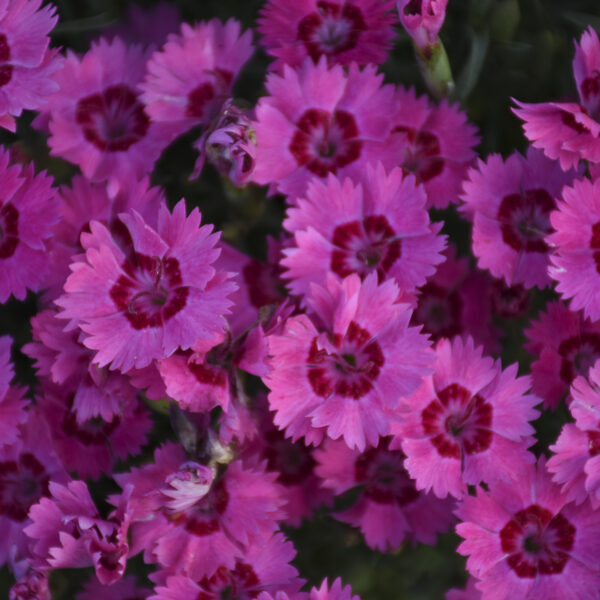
{"points": [[524, 540], [435, 144], [27, 65], [192, 75], [566, 345], [467, 423], [335, 592], [28, 210], [576, 262], [315, 123], [12, 403], [510, 203], [422, 20], [343, 377], [344, 31], [163, 294], [97, 120], [389, 510], [380, 225], [264, 566], [575, 464], [570, 131]]}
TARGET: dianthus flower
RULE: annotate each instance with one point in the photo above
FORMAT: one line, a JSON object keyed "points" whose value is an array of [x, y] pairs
{"points": [[510, 203], [344, 31], [344, 375], [264, 566], [379, 225], [27, 65], [28, 210], [97, 120], [434, 143], [570, 131], [191, 76], [389, 510], [566, 345], [321, 120], [422, 20], [576, 261], [575, 464], [160, 295], [525, 540], [467, 423], [191, 521]]}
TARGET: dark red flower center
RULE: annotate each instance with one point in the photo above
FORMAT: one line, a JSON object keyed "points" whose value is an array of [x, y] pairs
{"points": [[239, 583], [509, 301], [365, 246], [458, 422], [439, 310], [382, 472], [578, 353], [569, 120], [421, 153], [347, 366], [22, 483], [9, 230], [293, 461], [204, 517], [537, 542], [150, 292], [590, 94], [323, 143], [593, 442], [95, 431], [206, 98], [595, 244], [331, 29], [262, 283], [112, 120], [525, 220], [6, 71]]}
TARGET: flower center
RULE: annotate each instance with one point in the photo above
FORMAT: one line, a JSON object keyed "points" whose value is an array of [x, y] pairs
{"points": [[439, 311], [590, 94], [112, 120], [578, 354], [525, 220], [365, 246], [9, 230], [323, 142], [421, 153], [6, 71], [331, 29], [346, 367], [457, 422], [239, 583], [203, 517], [294, 462], [151, 292], [537, 542]]}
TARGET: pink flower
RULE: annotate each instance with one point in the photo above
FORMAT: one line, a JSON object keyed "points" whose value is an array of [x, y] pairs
{"points": [[344, 31], [97, 120], [344, 376], [422, 20], [160, 295], [26, 63], [389, 510], [12, 403], [189, 521], [569, 131], [576, 262], [28, 210], [566, 345], [379, 225], [575, 464], [315, 123], [335, 592], [511, 204], [192, 75], [467, 423], [524, 540], [435, 144]]}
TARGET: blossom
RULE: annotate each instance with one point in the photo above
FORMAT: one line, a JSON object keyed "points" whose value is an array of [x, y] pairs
{"points": [[343, 376], [28, 210], [163, 294], [511, 203], [570, 131], [335, 592], [524, 540], [565, 345], [27, 65], [389, 510], [344, 31], [12, 403], [468, 422], [314, 122], [97, 120], [191, 76], [379, 225]]}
